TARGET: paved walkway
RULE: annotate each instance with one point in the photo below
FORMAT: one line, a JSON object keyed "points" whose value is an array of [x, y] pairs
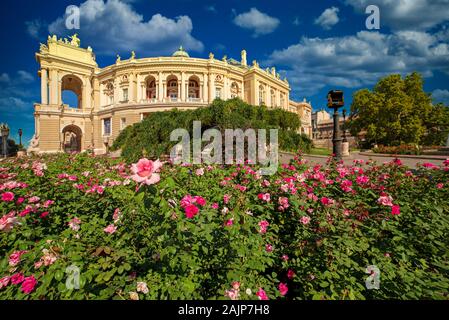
{"points": [[410, 162]]}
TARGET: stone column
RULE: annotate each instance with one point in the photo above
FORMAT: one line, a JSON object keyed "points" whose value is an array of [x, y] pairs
{"points": [[116, 91], [59, 92], [84, 103], [160, 88], [44, 86], [53, 86], [211, 88], [204, 96], [183, 87], [131, 89]]}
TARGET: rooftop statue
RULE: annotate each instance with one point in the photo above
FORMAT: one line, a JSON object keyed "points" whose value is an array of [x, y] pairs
{"points": [[75, 41], [133, 55], [211, 55], [118, 59]]}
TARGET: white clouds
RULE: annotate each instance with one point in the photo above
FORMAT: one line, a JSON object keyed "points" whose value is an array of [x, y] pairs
{"points": [[328, 18], [34, 28], [4, 78], [25, 76], [439, 95], [113, 26], [359, 60], [407, 14], [17, 92], [257, 21], [211, 8]]}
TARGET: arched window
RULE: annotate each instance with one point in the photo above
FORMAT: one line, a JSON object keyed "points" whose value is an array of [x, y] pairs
{"points": [[194, 88], [261, 95], [151, 88], [273, 98], [172, 88], [234, 90], [71, 91]]}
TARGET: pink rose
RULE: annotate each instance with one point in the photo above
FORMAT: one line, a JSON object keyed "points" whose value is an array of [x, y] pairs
{"points": [[305, 220], [290, 274], [226, 198], [146, 171], [199, 172], [191, 211], [268, 248], [326, 201], [4, 282], [28, 284], [214, 205], [283, 289], [263, 226], [17, 278], [395, 210], [110, 229], [8, 221], [200, 201], [385, 201], [261, 294], [44, 214], [14, 258], [264, 196], [8, 196], [230, 222]]}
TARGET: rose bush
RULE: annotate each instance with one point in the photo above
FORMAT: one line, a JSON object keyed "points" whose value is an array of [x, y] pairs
{"points": [[151, 230]]}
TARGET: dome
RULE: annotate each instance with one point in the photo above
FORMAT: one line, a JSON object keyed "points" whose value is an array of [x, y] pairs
{"points": [[180, 53]]}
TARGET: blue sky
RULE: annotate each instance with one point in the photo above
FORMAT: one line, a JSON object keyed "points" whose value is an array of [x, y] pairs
{"points": [[318, 45]]}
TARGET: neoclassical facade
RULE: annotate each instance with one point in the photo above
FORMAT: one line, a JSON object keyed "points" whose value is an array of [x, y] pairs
{"points": [[119, 95]]}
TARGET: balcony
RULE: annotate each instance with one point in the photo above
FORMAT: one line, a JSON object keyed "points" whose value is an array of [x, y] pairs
{"points": [[60, 108]]}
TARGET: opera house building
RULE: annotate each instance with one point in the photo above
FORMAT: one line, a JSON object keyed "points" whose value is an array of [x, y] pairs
{"points": [[119, 95]]}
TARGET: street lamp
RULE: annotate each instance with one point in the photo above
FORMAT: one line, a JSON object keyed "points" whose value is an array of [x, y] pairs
{"points": [[20, 137], [335, 101], [4, 132]]}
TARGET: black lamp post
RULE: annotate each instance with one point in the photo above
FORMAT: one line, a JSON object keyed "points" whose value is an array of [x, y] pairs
{"points": [[4, 132], [20, 137], [344, 126], [335, 101]]}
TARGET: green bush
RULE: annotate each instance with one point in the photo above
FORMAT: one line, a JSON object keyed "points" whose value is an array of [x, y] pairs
{"points": [[151, 137]]}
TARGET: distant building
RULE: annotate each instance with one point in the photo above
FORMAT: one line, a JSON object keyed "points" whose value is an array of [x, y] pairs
{"points": [[304, 110], [323, 130]]}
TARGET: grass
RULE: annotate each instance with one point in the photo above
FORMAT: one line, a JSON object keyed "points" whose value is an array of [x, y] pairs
{"points": [[320, 152]]}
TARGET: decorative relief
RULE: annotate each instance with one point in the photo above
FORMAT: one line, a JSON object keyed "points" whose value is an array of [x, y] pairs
{"points": [[219, 78]]}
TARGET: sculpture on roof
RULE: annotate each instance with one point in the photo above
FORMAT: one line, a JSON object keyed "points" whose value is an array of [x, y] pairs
{"points": [[75, 41]]}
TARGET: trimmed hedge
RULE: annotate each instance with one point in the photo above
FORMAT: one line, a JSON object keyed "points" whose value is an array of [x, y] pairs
{"points": [[151, 137]]}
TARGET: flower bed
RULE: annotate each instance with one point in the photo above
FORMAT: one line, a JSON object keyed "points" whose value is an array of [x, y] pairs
{"points": [[157, 231]]}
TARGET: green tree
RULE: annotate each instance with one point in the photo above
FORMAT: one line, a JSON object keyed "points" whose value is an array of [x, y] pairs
{"points": [[398, 111]]}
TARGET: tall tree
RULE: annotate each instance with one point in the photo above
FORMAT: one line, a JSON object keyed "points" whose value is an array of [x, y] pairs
{"points": [[397, 111]]}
